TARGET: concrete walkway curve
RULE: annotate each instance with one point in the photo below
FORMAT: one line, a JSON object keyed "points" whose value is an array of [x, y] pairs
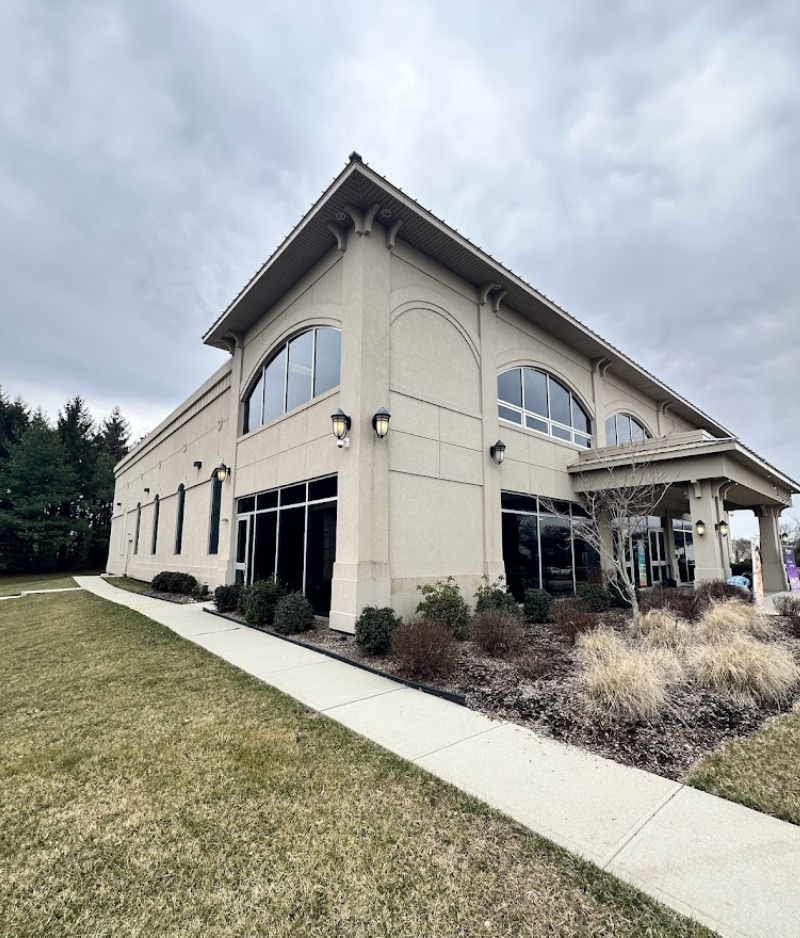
{"points": [[731, 868]]}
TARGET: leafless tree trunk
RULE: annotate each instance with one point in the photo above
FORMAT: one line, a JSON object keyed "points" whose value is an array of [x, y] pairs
{"points": [[616, 513]]}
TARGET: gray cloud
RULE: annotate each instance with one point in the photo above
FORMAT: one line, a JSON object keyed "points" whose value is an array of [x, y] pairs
{"points": [[637, 163]]}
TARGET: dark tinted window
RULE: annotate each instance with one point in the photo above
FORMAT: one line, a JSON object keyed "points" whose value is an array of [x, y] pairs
{"points": [[507, 414], [179, 519], [216, 508], [293, 495], [291, 547], [327, 360], [521, 553], [267, 500], [252, 411], [246, 504], [322, 488], [509, 387], [559, 403], [535, 391], [556, 546], [298, 385], [510, 501]]}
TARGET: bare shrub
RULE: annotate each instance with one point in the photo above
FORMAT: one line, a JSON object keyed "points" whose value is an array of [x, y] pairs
{"points": [[532, 667], [789, 608], [745, 670], [572, 617], [679, 602], [721, 620], [630, 683], [424, 648], [716, 591], [661, 629], [497, 632]]}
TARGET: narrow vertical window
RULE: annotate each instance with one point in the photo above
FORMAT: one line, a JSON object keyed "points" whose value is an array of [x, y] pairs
{"points": [[156, 508], [179, 519], [138, 528], [216, 509]]}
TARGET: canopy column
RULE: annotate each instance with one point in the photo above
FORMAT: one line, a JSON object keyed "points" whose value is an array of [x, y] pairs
{"points": [[709, 564], [773, 571]]}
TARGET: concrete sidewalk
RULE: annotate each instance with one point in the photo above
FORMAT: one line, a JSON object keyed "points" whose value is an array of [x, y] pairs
{"points": [[733, 869]]}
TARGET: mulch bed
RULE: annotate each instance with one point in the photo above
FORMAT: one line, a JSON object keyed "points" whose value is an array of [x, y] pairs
{"points": [[696, 721]]}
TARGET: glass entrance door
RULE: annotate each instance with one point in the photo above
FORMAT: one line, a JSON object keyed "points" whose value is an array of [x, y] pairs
{"points": [[243, 530]]}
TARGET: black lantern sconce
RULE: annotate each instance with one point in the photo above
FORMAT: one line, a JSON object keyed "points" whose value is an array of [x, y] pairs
{"points": [[222, 472], [723, 528], [380, 422], [700, 527], [341, 428], [498, 452]]}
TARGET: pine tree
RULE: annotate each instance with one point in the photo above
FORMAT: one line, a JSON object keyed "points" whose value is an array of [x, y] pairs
{"points": [[115, 434], [40, 488]]}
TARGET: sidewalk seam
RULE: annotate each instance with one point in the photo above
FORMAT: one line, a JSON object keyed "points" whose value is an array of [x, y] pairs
{"points": [[639, 826]]}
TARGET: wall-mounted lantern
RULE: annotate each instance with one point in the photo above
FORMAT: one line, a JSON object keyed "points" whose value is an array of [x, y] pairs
{"points": [[723, 528], [341, 426], [785, 537], [380, 422], [498, 452], [222, 472], [700, 527]]}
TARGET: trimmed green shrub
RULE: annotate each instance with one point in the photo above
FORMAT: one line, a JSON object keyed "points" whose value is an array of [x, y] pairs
{"points": [[226, 598], [244, 592], [374, 629], [495, 596], [442, 602], [293, 614], [537, 605], [168, 581], [595, 596], [261, 600]]}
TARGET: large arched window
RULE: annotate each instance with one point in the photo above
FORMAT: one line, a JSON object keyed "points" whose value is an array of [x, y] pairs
{"points": [[533, 399], [622, 428], [303, 368]]}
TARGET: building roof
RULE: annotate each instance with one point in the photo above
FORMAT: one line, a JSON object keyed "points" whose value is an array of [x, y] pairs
{"points": [[361, 187]]}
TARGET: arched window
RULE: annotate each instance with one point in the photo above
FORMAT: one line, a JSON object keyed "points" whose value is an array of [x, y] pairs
{"points": [[216, 509], [179, 519], [533, 399], [622, 428], [138, 528], [156, 509], [301, 369]]}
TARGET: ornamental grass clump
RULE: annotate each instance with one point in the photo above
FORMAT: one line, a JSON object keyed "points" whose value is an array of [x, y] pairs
{"points": [[660, 629], [721, 620], [629, 683], [424, 649], [789, 608], [746, 670], [497, 632]]}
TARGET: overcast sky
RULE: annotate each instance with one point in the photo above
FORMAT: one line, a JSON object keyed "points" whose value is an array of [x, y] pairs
{"points": [[639, 163]]}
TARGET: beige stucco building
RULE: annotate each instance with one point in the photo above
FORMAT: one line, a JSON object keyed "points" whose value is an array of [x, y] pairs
{"points": [[372, 302]]}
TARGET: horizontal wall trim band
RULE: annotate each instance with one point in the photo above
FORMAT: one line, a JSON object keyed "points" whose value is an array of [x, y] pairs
{"points": [[453, 697]]}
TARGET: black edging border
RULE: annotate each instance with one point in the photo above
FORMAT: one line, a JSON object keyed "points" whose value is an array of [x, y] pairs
{"points": [[453, 697]]}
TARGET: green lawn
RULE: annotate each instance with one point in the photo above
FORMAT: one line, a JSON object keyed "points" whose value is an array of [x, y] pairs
{"points": [[150, 789], [760, 771], [12, 584]]}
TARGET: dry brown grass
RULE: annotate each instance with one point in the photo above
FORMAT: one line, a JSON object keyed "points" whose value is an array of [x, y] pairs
{"points": [[531, 666], [150, 789], [660, 629], [631, 683], [722, 620], [744, 669]]}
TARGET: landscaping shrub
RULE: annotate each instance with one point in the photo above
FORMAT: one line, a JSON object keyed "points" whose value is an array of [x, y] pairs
{"points": [[746, 670], [374, 629], [678, 601], [660, 629], [572, 616], [721, 620], [424, 648], [595, 596], [169, 581], [293, 614], [537, 606], [497, 631], [789, 608], [531, 666], [617, 594], [226, 598], [710, 591], [624, 682], [261, 600], [241, 606], [442, 602], [495, 596]]}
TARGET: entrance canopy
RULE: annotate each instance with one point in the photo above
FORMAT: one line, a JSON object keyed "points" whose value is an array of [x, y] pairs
{"points": [[704, 477]]}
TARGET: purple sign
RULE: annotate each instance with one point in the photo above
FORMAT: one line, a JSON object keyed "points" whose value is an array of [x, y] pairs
{"points": [[791, 568]]}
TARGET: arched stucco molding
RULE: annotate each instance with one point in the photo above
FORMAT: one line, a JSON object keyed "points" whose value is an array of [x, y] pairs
{"points": [[437, 310], [624, 406], [550, 370], [289, 332]]}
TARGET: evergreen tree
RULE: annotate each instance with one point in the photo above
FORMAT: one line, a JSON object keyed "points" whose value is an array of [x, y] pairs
{"points": [[40, 488], [115, 433]]}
